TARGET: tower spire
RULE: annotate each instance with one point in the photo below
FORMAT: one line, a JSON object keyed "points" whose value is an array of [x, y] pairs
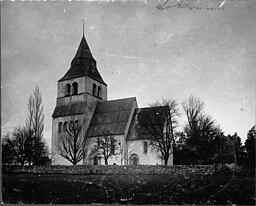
{"points": [[83, 26]]}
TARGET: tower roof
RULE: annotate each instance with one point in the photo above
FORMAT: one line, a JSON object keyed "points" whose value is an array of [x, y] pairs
{"points": [[83, 64], [83, 50]]}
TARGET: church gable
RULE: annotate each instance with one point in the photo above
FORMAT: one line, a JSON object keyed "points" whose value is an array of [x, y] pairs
{"points": [[141, 116], [112, 116]]}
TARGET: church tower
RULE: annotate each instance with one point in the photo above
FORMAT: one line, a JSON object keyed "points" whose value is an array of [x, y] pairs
{"points": [[78, 92]]}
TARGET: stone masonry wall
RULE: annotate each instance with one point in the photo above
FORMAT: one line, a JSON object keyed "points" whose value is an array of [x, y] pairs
{"points": [[114, 170]]}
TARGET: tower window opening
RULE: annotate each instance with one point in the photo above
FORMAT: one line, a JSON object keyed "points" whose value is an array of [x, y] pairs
{"points": [[67, 90], [71, 126], [94, 87], [74, 88], [60, 127], [76, 124], [99, 92], [65, 126]]}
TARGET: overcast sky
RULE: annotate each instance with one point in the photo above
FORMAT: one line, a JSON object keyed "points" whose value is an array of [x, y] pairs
{"points": [[141, 52]]}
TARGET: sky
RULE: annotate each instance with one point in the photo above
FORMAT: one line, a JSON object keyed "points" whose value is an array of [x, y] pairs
{"points": [[142, 50]]}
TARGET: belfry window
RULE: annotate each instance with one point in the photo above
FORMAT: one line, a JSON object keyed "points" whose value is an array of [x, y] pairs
{"points": [[71, 126], [74, 88], [67, 90], [65, 126], [99, 92], [76, 124], [60, 127], [94, 87]]}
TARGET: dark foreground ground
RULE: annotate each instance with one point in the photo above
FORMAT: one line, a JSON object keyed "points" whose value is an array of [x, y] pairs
{"points": [[127, 189]]}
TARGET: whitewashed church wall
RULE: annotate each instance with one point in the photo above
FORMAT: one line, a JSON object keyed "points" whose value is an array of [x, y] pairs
{"points": [[62, 86], [117, 159], [70, 99], [56, 158], [89, 87], [150, 158]]}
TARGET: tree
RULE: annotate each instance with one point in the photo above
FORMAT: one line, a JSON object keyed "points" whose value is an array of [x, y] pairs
{"points": [[7, 152], [72, 141], [35, 126], [250, 146], [105, 145], [19, 145], [193, 108], [159, 123], [201, 130]]}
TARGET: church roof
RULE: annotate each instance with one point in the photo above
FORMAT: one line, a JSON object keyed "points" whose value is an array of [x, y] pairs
{"points": [[71, 109], [83, 64], [138, 132], [111, 116]]}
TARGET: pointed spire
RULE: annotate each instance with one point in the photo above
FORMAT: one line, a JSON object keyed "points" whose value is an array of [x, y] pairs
{"points": [[83, 26], [83, 50]]}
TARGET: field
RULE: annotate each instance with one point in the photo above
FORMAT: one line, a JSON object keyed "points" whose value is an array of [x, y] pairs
{"points": [[127, 189]]}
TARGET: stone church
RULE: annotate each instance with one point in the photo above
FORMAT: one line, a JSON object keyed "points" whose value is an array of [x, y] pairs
{"points": [[82, 95]]}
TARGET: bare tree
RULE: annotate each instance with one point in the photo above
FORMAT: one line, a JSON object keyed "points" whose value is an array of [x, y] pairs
{"points": [[19, 144], [159, 123], [193, 108], [35, 126], [201, 130], [105, 145], [71, 142], [7, 151]]}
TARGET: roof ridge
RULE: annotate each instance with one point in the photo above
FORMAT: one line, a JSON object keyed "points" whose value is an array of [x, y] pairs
{"points": [[112, 100], [150, 107]]}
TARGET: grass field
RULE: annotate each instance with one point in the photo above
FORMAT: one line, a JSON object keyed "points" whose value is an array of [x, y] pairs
{"points": [[127, 189]]}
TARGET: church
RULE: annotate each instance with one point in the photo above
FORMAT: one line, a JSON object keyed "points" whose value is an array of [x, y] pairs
{"points": [[82, 99]]}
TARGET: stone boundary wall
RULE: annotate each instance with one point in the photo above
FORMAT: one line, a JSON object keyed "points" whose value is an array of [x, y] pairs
{"points": [[113, 170]]}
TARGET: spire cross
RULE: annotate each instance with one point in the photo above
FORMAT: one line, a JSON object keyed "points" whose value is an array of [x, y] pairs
{"points": [[83, 26]]}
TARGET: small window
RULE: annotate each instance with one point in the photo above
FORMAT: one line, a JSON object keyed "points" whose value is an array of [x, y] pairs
{"points": [[71, 125], [67, 91], [60, 127], [74, 88], [112, 147], [65, 126], [94, 89], [99, 92], [76, 124], [145, 147], [95, 160]]}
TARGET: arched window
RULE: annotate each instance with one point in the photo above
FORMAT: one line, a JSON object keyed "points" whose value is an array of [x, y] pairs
{"points": [[145, 147], [60, 127], [94, 89], [71, 125], [95, 160], [67, 90], [76, 124], [74, 88], [99, 92], [134, 159], [112, 146], [65, 126]]}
